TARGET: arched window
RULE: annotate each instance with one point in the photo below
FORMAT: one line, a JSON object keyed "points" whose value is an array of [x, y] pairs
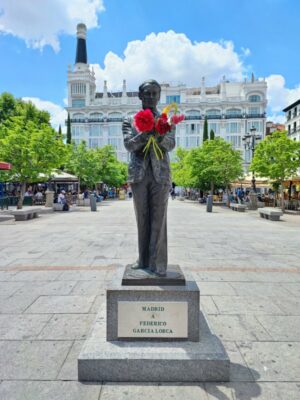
{"points": [[78, 116], [254, 98], [96, 115], [192, 112], [234, 112], [213, 111]]}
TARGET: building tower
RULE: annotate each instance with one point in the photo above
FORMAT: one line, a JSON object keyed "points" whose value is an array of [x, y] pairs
{"points": [[81, 80]]}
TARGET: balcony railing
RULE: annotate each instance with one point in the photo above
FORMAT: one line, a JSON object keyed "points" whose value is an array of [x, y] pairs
{"points": [[192, 117], [214, 116], [227, 116], [263, 115]]}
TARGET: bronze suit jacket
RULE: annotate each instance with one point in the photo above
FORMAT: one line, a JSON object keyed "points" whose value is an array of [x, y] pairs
{"points": [[135, 142]]}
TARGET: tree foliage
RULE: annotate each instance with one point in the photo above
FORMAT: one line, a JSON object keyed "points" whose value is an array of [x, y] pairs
{"points": [[216, 163], [277, 157], [211, 134], [93, 166], [28, 142], [205, 130], [69, 132]]}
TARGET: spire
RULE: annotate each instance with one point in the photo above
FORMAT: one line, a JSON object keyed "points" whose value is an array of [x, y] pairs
{"points": [[81, 54], [124, 91]]}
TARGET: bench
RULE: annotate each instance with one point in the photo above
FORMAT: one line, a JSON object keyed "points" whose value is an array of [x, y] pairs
{"points": [[58, 207], [24, 215], [6, 219], [238, 207], [273, 214]]}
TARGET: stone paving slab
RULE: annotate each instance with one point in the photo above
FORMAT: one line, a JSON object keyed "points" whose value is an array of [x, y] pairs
{"points": [[281, 327], [67, 327], [40, 288], [54, 390], [16, 304], [39, 360], [246, 305], [61, 304], [22, 327], [273, 361], [69, 370], [238, 327]]}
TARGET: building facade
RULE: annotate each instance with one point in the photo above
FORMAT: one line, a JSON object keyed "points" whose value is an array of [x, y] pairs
{"points": [[273, 127], [232, 108], [292, 113]]}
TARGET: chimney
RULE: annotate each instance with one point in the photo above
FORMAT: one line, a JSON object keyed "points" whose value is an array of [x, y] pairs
{"points": [[81, 53]]}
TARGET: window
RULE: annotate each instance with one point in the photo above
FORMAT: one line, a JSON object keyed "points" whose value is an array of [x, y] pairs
{"points": [[254, 98], [234, 140], [234, 112], [233, 127], [78, 88], [213, 112], [116, 143], [172, 99], [177, 141], [258, 125], [214, 126], [114, 130], [93, 143], [77, 131], [78, 103], [192, 113], [192, 129], [96, 115], [192, 141], [254, 110], [95, 130]]}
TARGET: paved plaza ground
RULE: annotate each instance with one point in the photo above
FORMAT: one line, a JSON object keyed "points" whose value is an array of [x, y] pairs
{"points": [[53, 275]]}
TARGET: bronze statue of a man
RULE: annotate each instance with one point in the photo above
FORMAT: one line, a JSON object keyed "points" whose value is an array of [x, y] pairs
{"points": [[150, 180]]}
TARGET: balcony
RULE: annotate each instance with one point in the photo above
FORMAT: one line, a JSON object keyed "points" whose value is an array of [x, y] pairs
{"points": [[192, 117], [263, 115], [228, 116], [214, 116]]}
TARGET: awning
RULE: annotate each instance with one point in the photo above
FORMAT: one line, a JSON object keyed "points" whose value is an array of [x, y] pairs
{"points": [[5, 166]]}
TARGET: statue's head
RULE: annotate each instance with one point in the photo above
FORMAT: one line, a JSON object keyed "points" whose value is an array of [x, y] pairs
{"points": [[149, 93]]}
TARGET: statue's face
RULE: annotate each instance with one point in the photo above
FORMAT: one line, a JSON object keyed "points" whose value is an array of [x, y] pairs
{"points": [[150, 96]]}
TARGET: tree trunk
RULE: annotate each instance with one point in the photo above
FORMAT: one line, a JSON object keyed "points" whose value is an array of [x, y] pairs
{"points": [[228, 198], [212, 188], [282, 196], [21, 198]]}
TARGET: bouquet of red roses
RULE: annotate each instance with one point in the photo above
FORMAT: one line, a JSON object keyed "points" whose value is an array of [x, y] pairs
{"points": [[144, 121]]}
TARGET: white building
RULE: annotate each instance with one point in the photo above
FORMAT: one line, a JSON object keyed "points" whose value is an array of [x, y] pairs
{"points": [[292, 113], [232, 108]]}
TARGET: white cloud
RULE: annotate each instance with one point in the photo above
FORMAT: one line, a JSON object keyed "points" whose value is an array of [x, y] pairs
{"points": [[279, 97], [40, 22], [57, 113], [171, 57]]}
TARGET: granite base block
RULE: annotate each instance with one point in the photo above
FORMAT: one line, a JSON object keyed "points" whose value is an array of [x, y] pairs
{"points": [[150, 361], [189, 293]]}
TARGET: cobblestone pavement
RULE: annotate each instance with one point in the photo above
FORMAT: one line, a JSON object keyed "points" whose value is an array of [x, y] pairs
{"points": [[53, 275]]}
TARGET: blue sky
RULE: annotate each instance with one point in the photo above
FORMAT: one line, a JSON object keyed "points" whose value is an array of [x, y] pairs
{"points": [[166, 40]]}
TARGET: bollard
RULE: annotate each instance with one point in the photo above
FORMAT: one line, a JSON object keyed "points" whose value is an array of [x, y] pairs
{"points": [[93, 203], [209, 203]]}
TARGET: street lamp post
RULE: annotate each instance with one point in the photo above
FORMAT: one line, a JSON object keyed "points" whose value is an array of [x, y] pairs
{"points": [[250, 140]]}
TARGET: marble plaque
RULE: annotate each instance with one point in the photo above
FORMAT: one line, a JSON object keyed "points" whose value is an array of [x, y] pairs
{"points": [[143, 319]]}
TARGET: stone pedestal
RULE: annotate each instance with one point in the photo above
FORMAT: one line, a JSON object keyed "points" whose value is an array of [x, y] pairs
{"points": [[253, 201], [49, 198], [152, 334]]}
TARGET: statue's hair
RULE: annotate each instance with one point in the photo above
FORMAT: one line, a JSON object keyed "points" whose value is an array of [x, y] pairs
{"points": [[149, 82]]}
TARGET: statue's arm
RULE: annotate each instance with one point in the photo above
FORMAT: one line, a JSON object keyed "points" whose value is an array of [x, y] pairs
{"points": [[133, 140], [167, 142]]}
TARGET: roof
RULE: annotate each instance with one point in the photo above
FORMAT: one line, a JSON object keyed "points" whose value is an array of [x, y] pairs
{"points": [[291, 106]]}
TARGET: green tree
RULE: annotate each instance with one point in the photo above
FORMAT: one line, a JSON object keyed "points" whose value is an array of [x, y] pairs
{"points": [[111, 171], [69, 132], [205, 130], [216, 163], [59, 132], [181, 173], [81, 162], [211, 134], [31, 146], [277, 157]]}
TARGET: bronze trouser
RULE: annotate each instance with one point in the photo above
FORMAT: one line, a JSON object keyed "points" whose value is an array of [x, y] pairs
{"points": [[150, 203]]}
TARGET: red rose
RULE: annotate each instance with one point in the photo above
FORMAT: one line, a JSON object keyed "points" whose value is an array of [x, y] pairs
{"points": [[162, 126], [144, 121], [175, 119]]}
